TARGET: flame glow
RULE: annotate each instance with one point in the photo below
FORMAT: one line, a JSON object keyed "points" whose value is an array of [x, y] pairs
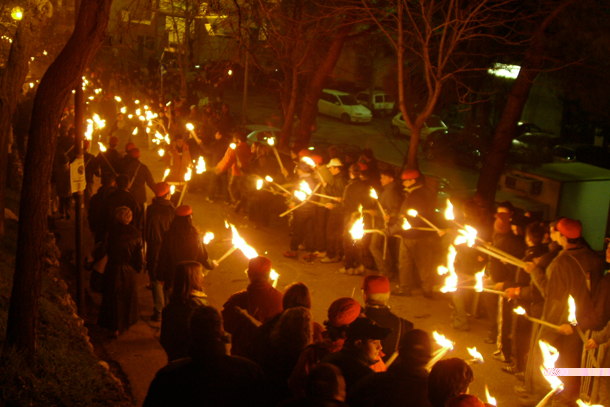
{"points": [[165, 174], [519, 311], [190, 126], [117, 98], [167, 139], [373, 194], [468, 236], [479, 281], [271, 141], [405, 224], [449, 211], [161, 153], [357, 230], [451, 280], [309, 161], [268, 179], [189, 173], [412, 212], [572, 312], [200, 167], [304, 186], [300, 195], [550, 356], [208, 238], [583, 404], [102, 147], [232, 145], [172, 189], [475, 354], [259, 184], [241, 244], [99, 122], [490, 400], [123, 110], [442, 341], [135, 131]]}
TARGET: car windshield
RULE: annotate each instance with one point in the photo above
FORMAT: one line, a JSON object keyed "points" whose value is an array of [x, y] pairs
{"points": [[348, 100]]}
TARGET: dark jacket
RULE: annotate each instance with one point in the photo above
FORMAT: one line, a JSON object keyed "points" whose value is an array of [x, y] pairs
{"points": [[391, 199], [174, 326], [353, 364], [124, 198], [119, 309], [357, 193], [216, 151], [402, 385], [261, 300], [385, 318], [511, 244], [420, 198], [522, 278], [97, 215], [112, 157], [139, 176], [159, 216], [210, 380]]}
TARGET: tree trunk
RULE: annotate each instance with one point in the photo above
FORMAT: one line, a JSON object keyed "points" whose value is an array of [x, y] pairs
{"points": [[11, 81], [289, 112], [53, 93], [310, 104], [507, 126]]}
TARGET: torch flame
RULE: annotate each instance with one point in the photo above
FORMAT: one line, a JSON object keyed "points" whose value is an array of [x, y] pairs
{"points": [[468, 236], [137, 102], [130, 116], [442, 341], [479, 281], [241, 244], [268, 179], [89, 131], [259, 184], [357, 230], [449, 211], [99, 122], [309, 161], [304, 186], [158, 135], [190, 126], [138, 112], [271, 141], [172, 189], [490, 400], [274, 276], [165, 174], [117, 98], [208, 238], [550, 356], [300, 195], [412, 212], [167, 139], [475, 354], [200, 167], [572, 311], [161, 153], [583, 404], [373, 194], [405, 224], [519, 311], [232, 145], [135, 131], [187, 176], [123, 110], [451, 280], [102, 147]]}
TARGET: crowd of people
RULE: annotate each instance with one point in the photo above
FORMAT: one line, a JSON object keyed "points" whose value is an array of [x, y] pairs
{"points": [[263, 347]]}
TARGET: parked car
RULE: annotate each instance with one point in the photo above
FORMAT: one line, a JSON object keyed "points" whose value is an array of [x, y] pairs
{"points": [[382, 103], [533, 148], [456, 147], [261, 133], [433, 123], [584, 153], [343, 106]]}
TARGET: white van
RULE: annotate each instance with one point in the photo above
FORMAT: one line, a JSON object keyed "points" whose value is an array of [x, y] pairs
{"points": [[343, 106], [382, 102]]}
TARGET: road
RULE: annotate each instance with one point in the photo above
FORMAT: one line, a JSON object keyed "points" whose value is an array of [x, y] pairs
{"points": [[139, 352]]}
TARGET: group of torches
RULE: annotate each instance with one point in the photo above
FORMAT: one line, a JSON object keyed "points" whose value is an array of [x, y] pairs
{"points": [[468, 235]]}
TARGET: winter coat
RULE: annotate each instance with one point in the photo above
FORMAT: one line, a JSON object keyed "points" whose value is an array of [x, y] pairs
{"points": [[261, 300], [391, 199], [178, 160], [216, 151], [123, 198], [119, 309], [159, 217], [98, 212], [139, 176], [403, 385], [511, 244], [214, 379], [420, 198], [385, 318], [357, 193], [242, 150], [174, 325], [112, 157], [565, 276], [353, 364]]}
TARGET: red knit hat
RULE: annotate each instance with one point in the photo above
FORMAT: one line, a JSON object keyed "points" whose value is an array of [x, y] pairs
{"points": [[373, 284], [343, 311], [317, 159], [363, 166], [570, 228], [184, 210], [410, 174], [114, 141], [161, 189], [259, 267], [304, 153], [129, 146], [134, 152]]}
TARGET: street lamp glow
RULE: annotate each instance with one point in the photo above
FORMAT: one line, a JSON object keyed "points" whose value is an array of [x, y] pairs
{"points": [[17, 13]]}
